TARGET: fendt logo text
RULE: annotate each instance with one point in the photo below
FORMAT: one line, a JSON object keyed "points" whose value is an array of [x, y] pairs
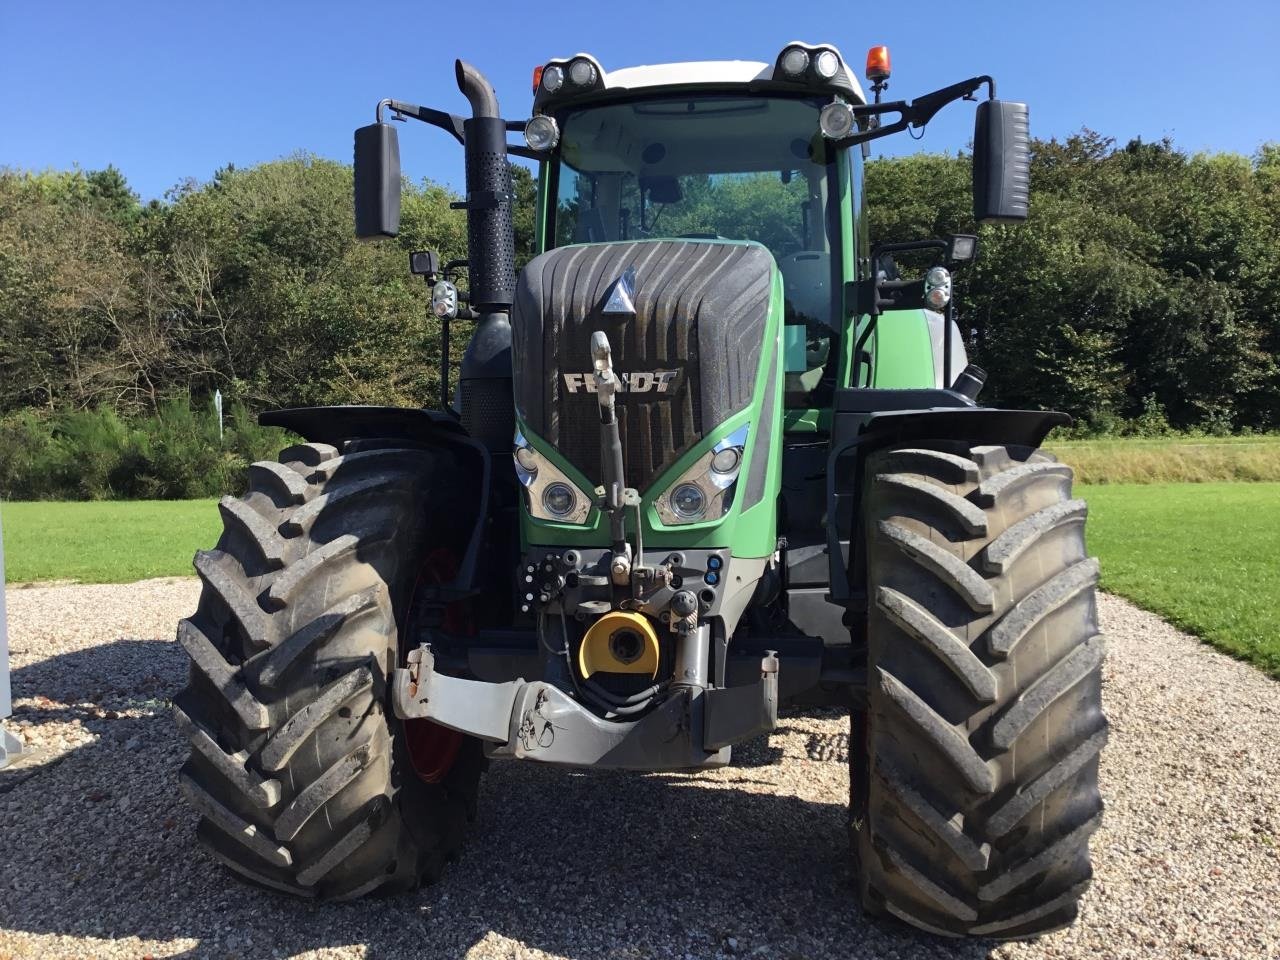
{"points": [[644, 381]]}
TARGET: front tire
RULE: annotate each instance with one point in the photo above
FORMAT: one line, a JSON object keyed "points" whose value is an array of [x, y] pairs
{"points": [[301, 777], [975, 767]]}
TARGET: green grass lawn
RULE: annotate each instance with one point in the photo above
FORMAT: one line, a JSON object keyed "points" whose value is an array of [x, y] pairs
{"points": [[105, 541], [1204, 555]]}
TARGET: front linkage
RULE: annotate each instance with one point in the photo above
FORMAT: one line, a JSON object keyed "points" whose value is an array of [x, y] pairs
{"points": [[574, 720]]}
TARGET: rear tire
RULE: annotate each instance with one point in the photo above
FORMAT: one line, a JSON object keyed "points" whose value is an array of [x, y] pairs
{"points": [[975, 767], [299, 773]]}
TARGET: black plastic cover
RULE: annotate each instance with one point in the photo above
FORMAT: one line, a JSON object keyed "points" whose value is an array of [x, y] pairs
{"points": [[691, 350], [1001, 162], [377, 181]]}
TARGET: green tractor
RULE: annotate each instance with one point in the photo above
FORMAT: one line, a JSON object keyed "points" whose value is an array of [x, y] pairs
{"points": [[710, 452]]}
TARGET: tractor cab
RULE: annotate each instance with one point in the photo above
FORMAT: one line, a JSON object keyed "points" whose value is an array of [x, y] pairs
{"points": [[714, 151]]}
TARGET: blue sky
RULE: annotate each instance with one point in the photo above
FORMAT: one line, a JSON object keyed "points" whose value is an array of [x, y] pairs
{"points": [[177, 89]]}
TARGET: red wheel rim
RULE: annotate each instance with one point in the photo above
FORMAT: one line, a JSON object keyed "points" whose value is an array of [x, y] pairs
{"points": [[433, 749]]}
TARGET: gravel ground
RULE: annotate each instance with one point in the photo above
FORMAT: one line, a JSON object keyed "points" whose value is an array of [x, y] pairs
{"points": [[97, 857]]}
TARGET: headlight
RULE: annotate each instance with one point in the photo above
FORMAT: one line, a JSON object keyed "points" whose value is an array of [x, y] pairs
{"points": [[689, 501], [525, 457], [705, 490], [549, 494], [541, 134], [836, 120], [726, 460], [559, 499]]}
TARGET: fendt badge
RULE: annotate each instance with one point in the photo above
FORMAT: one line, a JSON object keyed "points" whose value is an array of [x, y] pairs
{"points": [[645, 381]]}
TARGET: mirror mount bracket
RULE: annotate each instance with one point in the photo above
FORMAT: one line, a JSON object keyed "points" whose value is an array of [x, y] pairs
{"points": [[450, 123], [915, 113]]}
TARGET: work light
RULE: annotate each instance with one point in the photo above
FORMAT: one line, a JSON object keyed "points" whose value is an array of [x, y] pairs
{"points": [[541, 133], [826, 64], [836, 120], [582, 72], [552, 78], [795, 61]]}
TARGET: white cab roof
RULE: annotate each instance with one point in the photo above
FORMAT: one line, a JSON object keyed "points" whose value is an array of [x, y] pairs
{"points": [[702, 72]]}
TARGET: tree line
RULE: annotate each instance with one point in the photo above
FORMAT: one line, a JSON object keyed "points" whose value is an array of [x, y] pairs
{"points": [[1142, 289]]}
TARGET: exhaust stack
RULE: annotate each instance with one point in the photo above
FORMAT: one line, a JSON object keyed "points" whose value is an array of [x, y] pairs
{"points": [[484, 380]]}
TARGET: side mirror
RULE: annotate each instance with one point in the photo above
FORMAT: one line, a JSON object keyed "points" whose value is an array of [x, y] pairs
{"points": [[1001, 162], [377, 177]]}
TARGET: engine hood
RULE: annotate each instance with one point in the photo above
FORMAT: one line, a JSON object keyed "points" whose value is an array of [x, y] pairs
{"points": [[689, 348]]}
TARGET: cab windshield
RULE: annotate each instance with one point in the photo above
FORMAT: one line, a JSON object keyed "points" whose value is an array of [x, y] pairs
{"points": [[716, 167]]}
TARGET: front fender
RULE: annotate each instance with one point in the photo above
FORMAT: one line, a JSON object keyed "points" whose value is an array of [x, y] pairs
{"points": [[335, 425], [470, 471], [869, 420]]}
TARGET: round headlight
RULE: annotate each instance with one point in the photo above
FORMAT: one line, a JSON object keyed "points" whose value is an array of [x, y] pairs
{"points": [[795, 61], [559, 499], [527, 459], [688, 501], [541, 133], [836, 120], [582, 73], [726, 460], [827, 64], [552, 78]]}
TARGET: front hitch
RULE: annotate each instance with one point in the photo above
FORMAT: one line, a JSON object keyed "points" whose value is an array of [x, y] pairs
{"points": [[533, 720]]}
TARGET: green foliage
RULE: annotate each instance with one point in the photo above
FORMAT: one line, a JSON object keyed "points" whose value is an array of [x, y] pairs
{"points": [[174, 454], [252, 283], [1143, 272]]}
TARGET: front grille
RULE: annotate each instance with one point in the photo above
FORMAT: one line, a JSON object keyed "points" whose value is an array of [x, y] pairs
{"points": [[701, 310]]}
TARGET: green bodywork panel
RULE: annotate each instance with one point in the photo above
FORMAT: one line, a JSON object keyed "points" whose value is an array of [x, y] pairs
{"points": [[902, 351], [749, 532]]}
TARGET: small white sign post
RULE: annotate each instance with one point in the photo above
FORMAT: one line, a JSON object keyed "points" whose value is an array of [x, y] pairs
{"points": [[217, 405], [10, 746]]}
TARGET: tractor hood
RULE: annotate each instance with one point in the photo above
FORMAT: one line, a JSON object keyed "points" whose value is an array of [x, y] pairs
{"points": [[688, 349], [694, 328]]}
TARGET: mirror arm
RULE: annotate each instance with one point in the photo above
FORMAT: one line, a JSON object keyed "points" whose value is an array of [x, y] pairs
{"points": [[447, 122], [918, 112], [450, 123]]}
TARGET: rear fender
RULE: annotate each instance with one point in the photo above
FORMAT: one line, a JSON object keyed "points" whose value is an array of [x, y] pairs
{"points": [[866, 420], [471, 463]]}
